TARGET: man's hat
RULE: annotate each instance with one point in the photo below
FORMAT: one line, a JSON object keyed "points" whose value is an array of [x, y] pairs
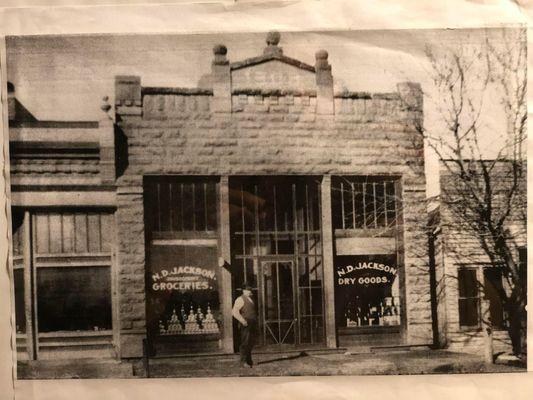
{"points": [[246, 287]]}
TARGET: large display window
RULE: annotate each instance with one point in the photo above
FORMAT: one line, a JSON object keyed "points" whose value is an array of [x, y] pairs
{"points": [[367, 291], [183, 301], [366, 219]]}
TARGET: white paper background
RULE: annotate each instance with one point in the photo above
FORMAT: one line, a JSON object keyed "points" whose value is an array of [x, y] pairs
{"points": [[250, 16]]}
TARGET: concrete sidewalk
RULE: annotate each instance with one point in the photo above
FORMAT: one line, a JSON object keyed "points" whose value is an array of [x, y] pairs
{"points": [[324, 363], [381, 363]]}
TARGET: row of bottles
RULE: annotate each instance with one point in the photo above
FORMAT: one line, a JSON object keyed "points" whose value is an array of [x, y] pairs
{"points": [[384, 313], [194, 323]]}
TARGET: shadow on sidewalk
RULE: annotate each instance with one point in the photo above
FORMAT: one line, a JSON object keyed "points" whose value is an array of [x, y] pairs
{"points": [[283, 358]]}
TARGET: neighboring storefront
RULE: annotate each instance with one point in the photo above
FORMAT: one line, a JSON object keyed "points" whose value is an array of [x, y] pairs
{"points": [[136, 235]]}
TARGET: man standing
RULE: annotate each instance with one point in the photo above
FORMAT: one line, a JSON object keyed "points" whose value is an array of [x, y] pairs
{"points": [[244, 312]]}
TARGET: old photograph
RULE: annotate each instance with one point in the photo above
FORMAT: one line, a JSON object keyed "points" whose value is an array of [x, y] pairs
{"points": [[268, 204]]}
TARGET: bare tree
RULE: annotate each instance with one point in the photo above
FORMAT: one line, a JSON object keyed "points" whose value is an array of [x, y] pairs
{"points": [[485, 171]]}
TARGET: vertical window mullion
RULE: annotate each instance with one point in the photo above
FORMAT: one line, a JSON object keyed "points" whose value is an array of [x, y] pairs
{"points": [[205, 205], [364, 205], [342, 204], [181, 207], [353, 204], [171, 210], [193, 202], [275, 218], [385, 209], [374, 196], [158, 208]]}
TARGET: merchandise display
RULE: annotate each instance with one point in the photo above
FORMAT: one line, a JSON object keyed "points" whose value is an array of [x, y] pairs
{"points": [[189, 324]]}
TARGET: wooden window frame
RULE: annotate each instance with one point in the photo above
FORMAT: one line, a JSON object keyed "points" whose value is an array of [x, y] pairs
{"points": [[34, 261], [478, 297]]}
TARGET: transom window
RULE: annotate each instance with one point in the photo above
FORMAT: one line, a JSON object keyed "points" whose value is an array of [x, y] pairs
{"points": [[363, 202]]}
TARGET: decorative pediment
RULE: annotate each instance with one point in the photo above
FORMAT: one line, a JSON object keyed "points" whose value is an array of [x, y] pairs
{"points": [[272, 70], [273, 73]]}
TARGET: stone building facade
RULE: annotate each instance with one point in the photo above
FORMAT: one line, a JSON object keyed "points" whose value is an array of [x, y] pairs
{"points": [[263, 174]]}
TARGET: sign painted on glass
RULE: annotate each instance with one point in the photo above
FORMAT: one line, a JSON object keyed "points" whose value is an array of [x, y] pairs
{"points": [[353, 274], [183, 278]]}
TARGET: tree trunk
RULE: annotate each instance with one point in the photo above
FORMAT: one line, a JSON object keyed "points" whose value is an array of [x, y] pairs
{"points": [[518, 330]]}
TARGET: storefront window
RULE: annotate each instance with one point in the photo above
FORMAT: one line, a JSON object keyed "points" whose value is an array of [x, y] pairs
{"points": [[184, 291], [74, 299], [182, 288], [367, 291]]}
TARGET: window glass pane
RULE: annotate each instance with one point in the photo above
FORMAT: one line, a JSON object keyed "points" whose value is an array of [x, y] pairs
{"points": [[380, 204], [467, 283], [367, 291], [469, 312], [492, 288], [211, 198], [73, 298], [200, 206], [369, 204], [348, 205], [390, 203], [183, 296], [164, 200], [20, 316], [363, 202]]}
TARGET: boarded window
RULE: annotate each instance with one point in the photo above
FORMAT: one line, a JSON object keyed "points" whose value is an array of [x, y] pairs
{"points": [[74, 299], [73, 232]]}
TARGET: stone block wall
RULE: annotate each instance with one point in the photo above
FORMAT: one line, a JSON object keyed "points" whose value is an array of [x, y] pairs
{"points": [[261, 132]]}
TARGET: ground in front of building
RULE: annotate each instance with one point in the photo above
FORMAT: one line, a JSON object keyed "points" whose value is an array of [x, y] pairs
{"points": [[283, 364]]}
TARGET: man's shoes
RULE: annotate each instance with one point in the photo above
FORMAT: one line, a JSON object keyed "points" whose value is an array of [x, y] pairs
{"points": [[246, 365]]}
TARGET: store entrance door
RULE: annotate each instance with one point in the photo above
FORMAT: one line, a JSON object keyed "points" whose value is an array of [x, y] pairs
{"points": [[278, 315]]}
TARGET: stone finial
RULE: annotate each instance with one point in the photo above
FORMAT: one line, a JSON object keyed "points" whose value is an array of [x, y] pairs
{"points": [[321, 57], [220, 49], [272, 41], [221, 80], [273, 38], [220, 52], [324, 82], [105, 107]]}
